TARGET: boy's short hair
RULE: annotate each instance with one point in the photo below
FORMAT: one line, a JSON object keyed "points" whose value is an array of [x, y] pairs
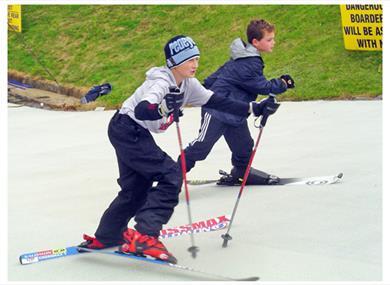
{"points": [[256, 28]]}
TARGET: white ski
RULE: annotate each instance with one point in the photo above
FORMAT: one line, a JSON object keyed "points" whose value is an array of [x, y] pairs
{"points": [[171, 265], [316, 180]]}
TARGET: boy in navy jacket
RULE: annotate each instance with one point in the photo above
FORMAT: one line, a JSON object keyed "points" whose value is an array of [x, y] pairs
{"points": [[240, 78]]}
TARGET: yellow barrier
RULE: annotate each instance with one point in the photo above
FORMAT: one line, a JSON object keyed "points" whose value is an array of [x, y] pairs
{"points": [[15, 18], [362, 26]]}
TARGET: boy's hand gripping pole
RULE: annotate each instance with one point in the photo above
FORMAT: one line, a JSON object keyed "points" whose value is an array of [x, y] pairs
{"points": [[192, 249], [226, 237]]}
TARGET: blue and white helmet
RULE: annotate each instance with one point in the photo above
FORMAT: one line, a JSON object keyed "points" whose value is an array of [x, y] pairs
{"points": [[179, 49]]}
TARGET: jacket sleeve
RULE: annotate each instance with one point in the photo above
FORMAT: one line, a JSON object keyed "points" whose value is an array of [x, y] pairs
{"points": [[146, 111], [228, 105], [253, 81]]}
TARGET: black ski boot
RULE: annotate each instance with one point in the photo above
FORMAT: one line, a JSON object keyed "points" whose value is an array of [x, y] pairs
{"points": [[227, 179], [256, 177]]}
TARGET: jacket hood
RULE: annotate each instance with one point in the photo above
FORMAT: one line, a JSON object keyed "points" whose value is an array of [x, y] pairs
{"points": [[163, 73], [240, 49]]}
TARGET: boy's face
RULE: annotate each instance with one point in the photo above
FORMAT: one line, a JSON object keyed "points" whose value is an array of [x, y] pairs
{"points": [[266, 44], [188, 68]]}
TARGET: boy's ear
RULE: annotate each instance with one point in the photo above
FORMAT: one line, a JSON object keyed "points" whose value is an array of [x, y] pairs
{"points": [[254, 42]]}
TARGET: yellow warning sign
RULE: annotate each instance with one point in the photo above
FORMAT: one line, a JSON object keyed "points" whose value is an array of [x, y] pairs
{"points": [[362, 26], [15, 18]]}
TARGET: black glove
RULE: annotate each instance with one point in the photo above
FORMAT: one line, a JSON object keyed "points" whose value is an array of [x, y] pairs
{"points": [[266, 106], [95, 92], [289, 81], [172, 102]]}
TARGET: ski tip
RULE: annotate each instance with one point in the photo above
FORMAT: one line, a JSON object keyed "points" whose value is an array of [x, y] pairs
{"points": [[340, 175], [254, 278], [23, 259], [200, 182], [194, 182]]}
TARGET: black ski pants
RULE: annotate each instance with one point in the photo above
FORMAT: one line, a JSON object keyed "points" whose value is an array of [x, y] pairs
{"points": [[238, 139], [141, 162]]}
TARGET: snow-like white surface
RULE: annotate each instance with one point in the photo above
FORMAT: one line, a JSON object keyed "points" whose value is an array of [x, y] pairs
{"points": [[62, 175]]}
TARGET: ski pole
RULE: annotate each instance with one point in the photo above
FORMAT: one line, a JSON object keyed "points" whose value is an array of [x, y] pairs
{"points": [[226, 237], [192, 249]]}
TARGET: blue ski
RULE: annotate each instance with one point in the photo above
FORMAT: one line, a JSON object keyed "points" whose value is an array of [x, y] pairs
{"points": [[42, 255], [212, 224]]}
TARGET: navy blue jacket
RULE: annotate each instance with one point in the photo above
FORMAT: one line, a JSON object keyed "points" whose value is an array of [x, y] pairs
{"points": [[241, 78]]}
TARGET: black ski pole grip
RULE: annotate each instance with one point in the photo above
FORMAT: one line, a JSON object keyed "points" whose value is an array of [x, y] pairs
{"points": [[264, 120], [174, 89], [270, 108], [176, 114]]}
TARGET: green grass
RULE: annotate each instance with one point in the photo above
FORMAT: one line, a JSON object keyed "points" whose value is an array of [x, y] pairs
{"points": [[84, 45]]}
